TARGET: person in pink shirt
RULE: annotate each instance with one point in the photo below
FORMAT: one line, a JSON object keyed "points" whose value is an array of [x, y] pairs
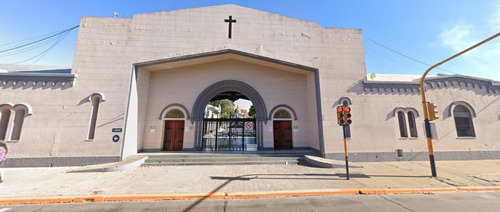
{"points": [[3, 155]]}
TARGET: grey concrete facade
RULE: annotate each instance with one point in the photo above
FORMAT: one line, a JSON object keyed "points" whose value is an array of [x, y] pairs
{"points": [[148, 65]]}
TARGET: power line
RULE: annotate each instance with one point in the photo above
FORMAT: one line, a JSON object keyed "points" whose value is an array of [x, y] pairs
{"points": [[389, 58], [30, 39], [33, 43], [378, 62], [38, 40], [403, 55], [418, 61], [43, 53]]}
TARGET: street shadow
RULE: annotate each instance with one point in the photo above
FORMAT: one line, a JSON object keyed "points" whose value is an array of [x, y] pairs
{"points": [[249, 177], [278, 177], [333, 166], [306, 176]]}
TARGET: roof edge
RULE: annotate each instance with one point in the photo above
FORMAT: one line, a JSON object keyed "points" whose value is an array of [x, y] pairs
{"points": [[224, 51]]}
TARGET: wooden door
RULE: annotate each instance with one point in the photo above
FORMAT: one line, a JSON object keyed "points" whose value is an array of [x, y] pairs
{"points": [[174, 135], [282, 135]]}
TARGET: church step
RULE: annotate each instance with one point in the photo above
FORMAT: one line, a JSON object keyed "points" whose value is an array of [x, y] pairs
{"points": [[225, 158], [153, 156], [230, 153], [165, 159], [215, 159], [222, 163]]}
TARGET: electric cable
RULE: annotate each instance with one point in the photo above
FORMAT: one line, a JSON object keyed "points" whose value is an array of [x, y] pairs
{"points": [[403, 55], [378, 62], [26, 40], [387, 57], [36, 41], [30, 44], [43, 53]]}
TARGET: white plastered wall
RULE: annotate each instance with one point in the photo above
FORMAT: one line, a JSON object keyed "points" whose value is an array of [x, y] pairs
{"points": [[183, 85]]}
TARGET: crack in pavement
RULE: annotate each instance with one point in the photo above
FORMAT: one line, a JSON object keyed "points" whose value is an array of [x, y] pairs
{"points": [[396, 203]]}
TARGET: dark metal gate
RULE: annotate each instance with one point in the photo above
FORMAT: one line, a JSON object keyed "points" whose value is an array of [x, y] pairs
{"points": [[229, 135]]}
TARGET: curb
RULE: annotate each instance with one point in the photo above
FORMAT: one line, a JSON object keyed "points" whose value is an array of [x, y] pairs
{"points": [[130, 162], [242, 195], [272, 194]]}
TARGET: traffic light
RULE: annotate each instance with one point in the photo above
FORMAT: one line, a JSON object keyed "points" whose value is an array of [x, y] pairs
{"points": [[432, 110], [340, 115], [347, 115]]}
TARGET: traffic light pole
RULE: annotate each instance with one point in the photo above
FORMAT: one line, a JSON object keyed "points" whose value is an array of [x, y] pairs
{"points": [[345, 152], [424, 102], [344, 119]]}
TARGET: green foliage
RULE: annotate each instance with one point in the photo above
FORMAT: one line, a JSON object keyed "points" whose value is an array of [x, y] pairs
{"points": [[252, 112], [373, 75], [227, 107], [214, 103]]}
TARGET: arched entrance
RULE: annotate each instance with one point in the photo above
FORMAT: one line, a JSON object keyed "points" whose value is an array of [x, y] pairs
{"points": [[229, 87], [226, 126]]}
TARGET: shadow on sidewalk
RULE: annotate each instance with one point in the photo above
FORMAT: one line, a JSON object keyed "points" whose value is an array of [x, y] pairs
{"points": [[248, 177], [256, 177], [278, 177], [359, 175]]}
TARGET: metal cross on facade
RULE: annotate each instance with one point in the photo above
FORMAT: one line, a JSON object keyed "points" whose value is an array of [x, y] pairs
{"points": [[231, 21]]}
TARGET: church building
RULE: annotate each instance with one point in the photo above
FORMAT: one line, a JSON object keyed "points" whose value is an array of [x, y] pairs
{"points": [[143, 84]]}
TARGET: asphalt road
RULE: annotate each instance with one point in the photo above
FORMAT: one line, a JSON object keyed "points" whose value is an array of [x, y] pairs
{"points": [[474, 201]]}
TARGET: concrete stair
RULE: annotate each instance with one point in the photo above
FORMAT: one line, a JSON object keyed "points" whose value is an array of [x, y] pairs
{"points": [[225, 158]]}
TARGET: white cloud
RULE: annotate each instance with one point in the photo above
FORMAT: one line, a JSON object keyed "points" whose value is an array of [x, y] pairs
{"points": [[494, 21], [482, 61], [457, 37]]}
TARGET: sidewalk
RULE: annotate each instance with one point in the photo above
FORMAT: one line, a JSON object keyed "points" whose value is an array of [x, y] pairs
{"points": [[46, 185]]}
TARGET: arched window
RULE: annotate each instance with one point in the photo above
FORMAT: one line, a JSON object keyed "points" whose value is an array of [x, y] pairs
{"points": [[96, 100], [4, 123], [18, 124], [12, 119], [406, 129], [175, 114], [282, 114], [411, 123], [463, 122], [402, 124]]}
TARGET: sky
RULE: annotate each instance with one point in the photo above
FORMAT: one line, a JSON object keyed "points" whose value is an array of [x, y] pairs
{"points": [[400, 36]]}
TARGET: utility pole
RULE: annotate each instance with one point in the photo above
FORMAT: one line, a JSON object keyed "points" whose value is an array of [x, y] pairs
{"points": [[344, 119], [425, 104]]}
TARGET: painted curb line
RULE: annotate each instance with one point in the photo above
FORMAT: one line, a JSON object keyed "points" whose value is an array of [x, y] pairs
{"points": [[159, 197], [271, 194], [241, 195], [378, 191]]}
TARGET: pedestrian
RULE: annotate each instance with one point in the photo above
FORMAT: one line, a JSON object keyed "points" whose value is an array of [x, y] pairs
{"points": [[3, 155]]}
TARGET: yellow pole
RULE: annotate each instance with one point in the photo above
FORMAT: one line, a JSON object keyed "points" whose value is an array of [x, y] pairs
{"points": [[422, 92], [346, 154]]}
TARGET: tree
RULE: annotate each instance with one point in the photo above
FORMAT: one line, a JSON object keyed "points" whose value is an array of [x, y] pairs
{"points": [[252, 112], [226, 106], [214, 103]]}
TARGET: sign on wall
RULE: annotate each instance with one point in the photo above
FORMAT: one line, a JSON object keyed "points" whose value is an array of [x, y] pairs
{"points": [[248, 125]]}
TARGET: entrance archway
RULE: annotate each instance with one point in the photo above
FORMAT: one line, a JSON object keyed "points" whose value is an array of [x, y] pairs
{"points": [[229, 86], [226, 126]]}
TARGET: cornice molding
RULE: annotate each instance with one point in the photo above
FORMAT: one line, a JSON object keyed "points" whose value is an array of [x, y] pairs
{"points": [[36, 79]]}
